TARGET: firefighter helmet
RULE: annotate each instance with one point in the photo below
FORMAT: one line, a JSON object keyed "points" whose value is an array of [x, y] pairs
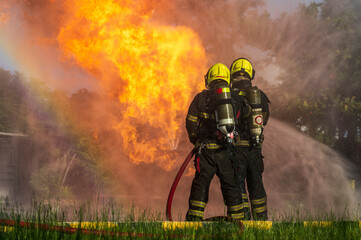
{"points": [[242, 67], [218, 72]]}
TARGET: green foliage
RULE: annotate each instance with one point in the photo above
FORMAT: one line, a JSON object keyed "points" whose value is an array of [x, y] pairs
{"points": [[48, 181], [324, 117], [12, 102], [311, 11]]}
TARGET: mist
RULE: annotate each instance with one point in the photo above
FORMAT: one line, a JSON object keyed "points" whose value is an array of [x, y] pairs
{"points": [[298, 170]]}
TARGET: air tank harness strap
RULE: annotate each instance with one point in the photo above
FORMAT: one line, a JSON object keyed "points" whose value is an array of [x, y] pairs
{"points": [[210, 146], [201, 145], [231, 155]]}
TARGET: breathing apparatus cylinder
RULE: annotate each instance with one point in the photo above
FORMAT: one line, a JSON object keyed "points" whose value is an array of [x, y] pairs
{"points": [[255, 119], [224, 110]]}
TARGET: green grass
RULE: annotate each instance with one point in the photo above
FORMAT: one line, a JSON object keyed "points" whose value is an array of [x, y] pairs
{"points": [[114, 222]]}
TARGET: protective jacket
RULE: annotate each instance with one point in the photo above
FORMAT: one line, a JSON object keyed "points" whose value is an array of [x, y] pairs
{"points": [[243, 137], [251, 160], [201, 123], [212, 158]]}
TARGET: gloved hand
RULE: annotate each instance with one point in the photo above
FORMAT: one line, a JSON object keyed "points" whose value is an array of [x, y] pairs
{"points": [[198, 135], [193, 140]]}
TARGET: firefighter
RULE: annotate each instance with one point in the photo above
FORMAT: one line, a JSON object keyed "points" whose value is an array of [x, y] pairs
{"points": [[248, 142], [209, 128]]}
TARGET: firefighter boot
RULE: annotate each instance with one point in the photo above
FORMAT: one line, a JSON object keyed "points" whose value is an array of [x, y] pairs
{"points": [[236, 211], [195, 211], [259, 209]]}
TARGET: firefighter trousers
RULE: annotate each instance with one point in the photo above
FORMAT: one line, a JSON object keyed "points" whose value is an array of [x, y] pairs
{"points": [[251, 175], [208, 163]]}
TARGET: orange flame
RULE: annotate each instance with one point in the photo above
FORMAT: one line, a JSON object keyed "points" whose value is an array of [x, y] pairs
{"points": [[4, 14], [154, 70]]}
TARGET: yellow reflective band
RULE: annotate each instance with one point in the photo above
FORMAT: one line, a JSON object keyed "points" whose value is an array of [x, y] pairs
{"points": [[212, 146], [244, 196], [242, 143], [237, 215], [196, 213], [260, 209], [235, 208], [317, 223], [246, 204], [198, 203], [242, 93], [258, 224], [204, 115], [192, 118], [100, 225], [181, 225], [259, 201]]}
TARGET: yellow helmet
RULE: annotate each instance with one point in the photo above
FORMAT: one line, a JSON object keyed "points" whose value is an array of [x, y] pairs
{"points": [[218, 71], [243, 67]]}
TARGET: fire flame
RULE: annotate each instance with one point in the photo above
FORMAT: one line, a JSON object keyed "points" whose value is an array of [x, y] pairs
{"points": [[154, 70], [4, 15]]}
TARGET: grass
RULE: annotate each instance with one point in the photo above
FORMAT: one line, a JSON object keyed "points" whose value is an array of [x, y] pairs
{"points": [[52, 221]]}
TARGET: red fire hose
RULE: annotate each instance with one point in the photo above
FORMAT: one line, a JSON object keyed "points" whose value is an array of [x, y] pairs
{"points": [[175, 183]]}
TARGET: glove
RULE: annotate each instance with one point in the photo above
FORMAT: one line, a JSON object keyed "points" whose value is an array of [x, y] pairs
{"points": [[193, 140], [198, 135]]}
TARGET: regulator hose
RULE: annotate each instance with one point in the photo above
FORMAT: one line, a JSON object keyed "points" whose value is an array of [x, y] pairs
{"points": [[175, 183]]}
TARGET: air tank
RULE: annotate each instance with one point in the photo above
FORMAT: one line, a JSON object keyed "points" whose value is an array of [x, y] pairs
{"points": [[255, 121], [224, 110]]}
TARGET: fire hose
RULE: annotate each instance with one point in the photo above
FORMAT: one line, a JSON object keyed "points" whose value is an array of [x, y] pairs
{"points": [[175, 184]]}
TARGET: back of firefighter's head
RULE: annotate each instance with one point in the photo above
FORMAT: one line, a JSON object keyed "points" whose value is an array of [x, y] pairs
{"points": [[242, 72], [217, 73]]}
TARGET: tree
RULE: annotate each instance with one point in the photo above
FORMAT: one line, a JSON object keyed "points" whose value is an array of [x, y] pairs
{"points": [[319, 49], [12, 102]]}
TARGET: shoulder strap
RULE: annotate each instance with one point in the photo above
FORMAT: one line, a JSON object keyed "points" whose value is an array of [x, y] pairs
{"points": [[264, 97]]}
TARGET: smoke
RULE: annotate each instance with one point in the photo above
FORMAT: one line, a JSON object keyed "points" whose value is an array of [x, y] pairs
{"points": [[301, 172], [296, 167]]}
